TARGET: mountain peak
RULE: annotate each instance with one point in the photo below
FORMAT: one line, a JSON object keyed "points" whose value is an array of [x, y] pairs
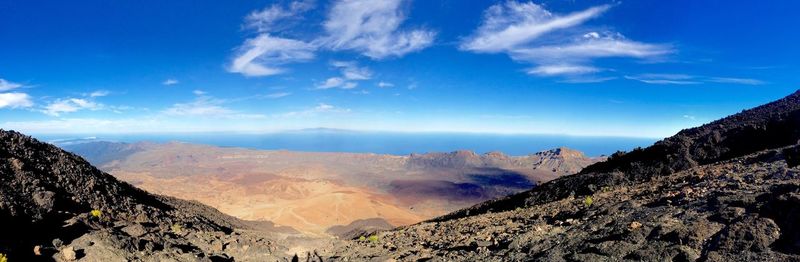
{"points": [[561, 152]]}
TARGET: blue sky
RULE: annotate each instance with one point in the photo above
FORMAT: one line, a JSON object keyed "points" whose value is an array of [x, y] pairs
{"points": [[622, 68]]}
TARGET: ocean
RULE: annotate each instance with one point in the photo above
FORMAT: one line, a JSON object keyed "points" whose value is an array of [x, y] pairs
{"points": [[379, 142]]}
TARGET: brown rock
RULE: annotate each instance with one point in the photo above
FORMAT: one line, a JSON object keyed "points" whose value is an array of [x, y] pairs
{"points": [[69, 254]]}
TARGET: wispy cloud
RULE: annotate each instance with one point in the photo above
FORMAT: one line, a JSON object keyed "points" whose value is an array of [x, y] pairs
{"points": [[556, 45], [206, 106], [350, 73], [607, 45], [732, 80], [170, 81], [382, 84], [586, 79], [510, 25], [319, 109], [665, 79], [684, 79], [70, 105], [690, 117], [267, 19], [6, 85], [15, 100], [564, 69], [373, 29], [264, 55], [278, 95], [332, 82], [99, 93]]}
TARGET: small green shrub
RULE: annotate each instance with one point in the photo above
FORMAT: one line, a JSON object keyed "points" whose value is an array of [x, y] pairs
{"points": [[177, 229], [588, 201], [373, 238], [96, 213], [362, 238]]}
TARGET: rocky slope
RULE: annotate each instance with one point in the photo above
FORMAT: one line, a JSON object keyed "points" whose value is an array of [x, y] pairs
{"points": [[55, 205], [725, 191]]}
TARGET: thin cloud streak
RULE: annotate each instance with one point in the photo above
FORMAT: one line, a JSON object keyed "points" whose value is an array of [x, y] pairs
{"points": [[556, 45]]}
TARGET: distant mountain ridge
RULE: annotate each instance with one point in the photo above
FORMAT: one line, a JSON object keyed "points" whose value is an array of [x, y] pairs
{"points": [[561, 160], [725, 191]]}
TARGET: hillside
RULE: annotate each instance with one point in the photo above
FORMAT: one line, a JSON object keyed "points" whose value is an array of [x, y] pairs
{"points": [[724, 191], [56, 203]]}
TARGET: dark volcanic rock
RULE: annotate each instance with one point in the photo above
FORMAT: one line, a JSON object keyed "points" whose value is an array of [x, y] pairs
{"points": [[57, 201], [358, 228], [725, 191], [773, 125]]}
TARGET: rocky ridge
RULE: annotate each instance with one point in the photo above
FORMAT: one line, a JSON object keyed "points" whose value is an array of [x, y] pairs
{"points": [[725, 191], [56, 206]]}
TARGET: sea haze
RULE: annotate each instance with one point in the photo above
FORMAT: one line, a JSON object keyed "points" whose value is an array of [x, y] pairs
{"points": [[378, 142]]}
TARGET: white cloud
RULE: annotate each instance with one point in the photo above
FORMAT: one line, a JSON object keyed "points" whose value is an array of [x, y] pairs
{"points": [[336, 82], [582, 79], [510, 25], [332, 82], [278, 95], [99, 93], [264, 54], [170, 82], [15, 100], [373, 29], [351, 71], [556, 45], [612, 45], [665, 79], [732, 80], [683, 79], [70, 105], [319, 109], [690, 117], [6, 85], [561, 69], [322, 107], [205, 106], [265, 20], [200, 107], [382, 84]]}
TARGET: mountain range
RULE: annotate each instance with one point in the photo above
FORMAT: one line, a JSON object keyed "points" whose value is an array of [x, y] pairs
{"points": [[290, 188], [725, 191]]}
